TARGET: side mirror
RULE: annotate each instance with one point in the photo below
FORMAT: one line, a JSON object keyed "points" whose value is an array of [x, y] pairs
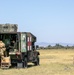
{"points": [[37, 47]]}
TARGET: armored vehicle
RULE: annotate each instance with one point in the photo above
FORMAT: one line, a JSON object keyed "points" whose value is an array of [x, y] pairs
{"points": [[19, 47]]}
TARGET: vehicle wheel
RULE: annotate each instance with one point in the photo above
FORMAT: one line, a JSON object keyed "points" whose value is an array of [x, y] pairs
{"points": [[25, 63], [37, 62]]}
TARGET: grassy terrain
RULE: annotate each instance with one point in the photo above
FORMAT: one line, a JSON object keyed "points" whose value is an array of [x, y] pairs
{"points": [[52, 62]]}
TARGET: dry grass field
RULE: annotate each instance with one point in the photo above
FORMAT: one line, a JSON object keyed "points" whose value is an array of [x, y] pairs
{"points": [[52, 62]]}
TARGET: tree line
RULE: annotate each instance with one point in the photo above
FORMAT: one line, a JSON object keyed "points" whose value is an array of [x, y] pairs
{"points": [[57, 46]]}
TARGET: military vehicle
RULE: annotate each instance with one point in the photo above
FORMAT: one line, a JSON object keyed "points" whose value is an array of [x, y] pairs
{"points": [[18, 47]]}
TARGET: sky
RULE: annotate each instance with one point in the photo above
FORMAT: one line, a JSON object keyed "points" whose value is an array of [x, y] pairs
{"points": [[50, 21]]}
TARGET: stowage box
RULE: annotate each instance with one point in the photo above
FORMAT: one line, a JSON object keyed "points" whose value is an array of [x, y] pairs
{"points": [[8, 28]]}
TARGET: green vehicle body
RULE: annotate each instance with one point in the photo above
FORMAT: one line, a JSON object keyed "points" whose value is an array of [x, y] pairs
{"points": [[23, 50]]}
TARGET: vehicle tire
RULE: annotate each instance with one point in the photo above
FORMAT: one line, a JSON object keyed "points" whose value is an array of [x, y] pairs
{"points": [[37, 62], [25, 65]]}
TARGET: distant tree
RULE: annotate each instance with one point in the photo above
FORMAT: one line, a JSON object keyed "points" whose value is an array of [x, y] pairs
{"points": [[57, 46], [41, 47], [49, 47], [67, 47], [72, 47]]}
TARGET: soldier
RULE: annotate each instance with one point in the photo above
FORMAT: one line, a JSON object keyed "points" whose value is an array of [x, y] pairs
{"points": [[13, 45], [7, 45]]}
